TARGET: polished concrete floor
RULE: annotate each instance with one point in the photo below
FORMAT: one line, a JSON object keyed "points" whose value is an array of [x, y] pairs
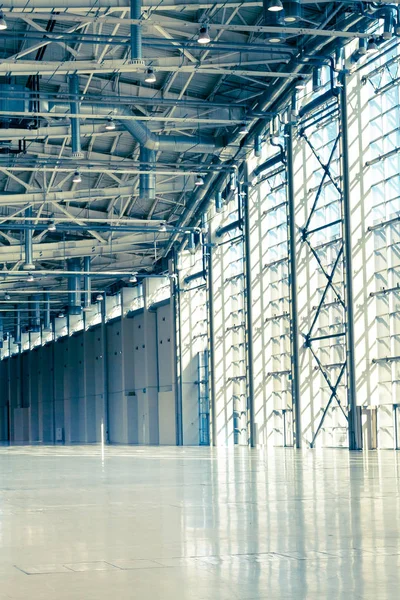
{"points": [[198, 524]]}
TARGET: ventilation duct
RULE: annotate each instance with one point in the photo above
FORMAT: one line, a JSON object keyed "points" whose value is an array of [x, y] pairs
{"points": [[272, 19], [35, 319], [147, 180], [147, 139], [74, 287], [150, 143], [75, 122], [292, 10], [28, 266], [136, 32], [169, 143], [14, 98]]}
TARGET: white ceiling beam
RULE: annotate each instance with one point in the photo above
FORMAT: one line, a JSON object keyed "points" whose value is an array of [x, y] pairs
{"points": [[32, 67], [192, 27], [78, 248], [96, 5]]}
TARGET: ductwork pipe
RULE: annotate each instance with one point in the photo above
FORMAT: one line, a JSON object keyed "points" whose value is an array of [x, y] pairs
{"points": [[169, 143], [75, 122], [88, 283], [143, 135], [28, 266], [136, 31], [147, 180], [74, 287], [319, 101], [35, 319], [268, 164]]}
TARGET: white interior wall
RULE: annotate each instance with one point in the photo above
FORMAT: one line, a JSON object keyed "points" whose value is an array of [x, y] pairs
{"points": [[57, 392]]}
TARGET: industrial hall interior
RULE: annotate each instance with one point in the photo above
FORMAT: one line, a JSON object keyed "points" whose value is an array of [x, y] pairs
{"points": [[199, 299]]}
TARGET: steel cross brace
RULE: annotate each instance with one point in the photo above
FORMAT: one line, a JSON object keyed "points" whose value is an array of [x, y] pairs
{"points": [[321, 183], [329, 274], [332, 396]]}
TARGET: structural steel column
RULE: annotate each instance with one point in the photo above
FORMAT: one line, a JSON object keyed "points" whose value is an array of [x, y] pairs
{"points": [[104, 337], [211, 329], [249, 308], [177, 341], [295, 364], [355, 434]]}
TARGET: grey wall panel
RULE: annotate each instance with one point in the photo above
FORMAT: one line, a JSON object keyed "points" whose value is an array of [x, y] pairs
{"points": [[114, 350], [118, 418], [116, 397], [15, 389], [90, 387], [62, 385], [76, 388], [46, 394], [128, 329], [4, 401], [25, 379], [151, 366], [33, 376], [139, 372], [59, 383], [167, 419], [132, 417], [165, 348]]}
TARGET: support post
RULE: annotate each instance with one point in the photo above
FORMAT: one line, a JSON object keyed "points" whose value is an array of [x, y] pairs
{"points": [[178, 352], [75, 121], [104, 338], [211, 349], [87, 300], [28, 265], [249, 309], [355, 434], [295, 363]]}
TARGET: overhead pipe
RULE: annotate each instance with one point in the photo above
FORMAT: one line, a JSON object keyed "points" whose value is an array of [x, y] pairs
{"points": [[238, 224], [257, 145], [28, 265], [147, 180], [75, 121], [74, 286], [271, 162], [169, 143], [198, 275], [136, 32], [144, 136], [219, 203], [319, 101], [87, 299], [35, 318], [277, 95]]}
